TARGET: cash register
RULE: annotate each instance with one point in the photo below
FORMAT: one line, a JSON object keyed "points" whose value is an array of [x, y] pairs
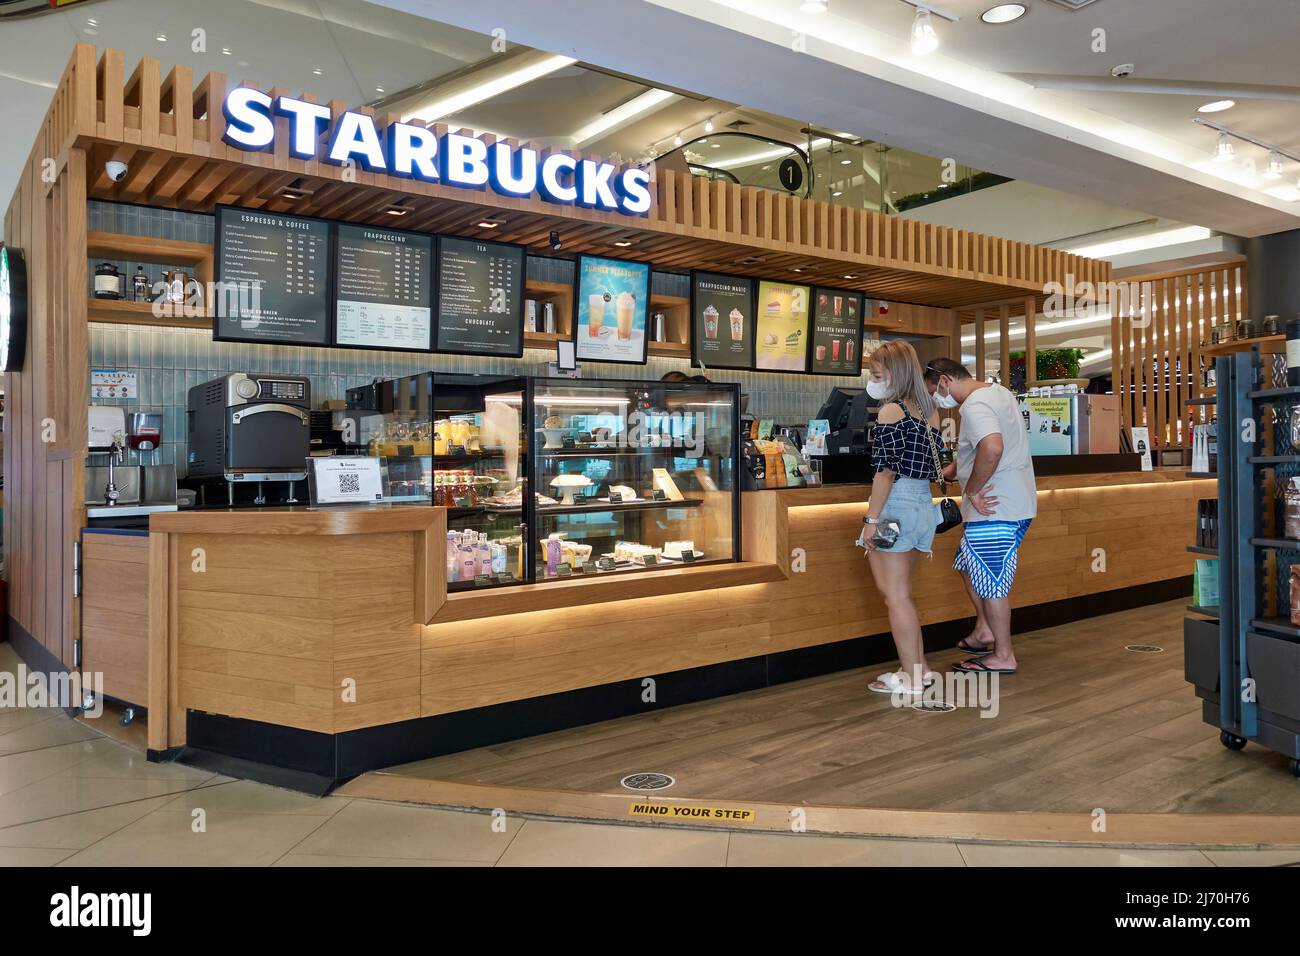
{"points": [[850, 413]]}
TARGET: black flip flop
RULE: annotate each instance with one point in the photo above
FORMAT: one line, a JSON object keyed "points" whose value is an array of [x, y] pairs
{"points": [[976, 665], [963, 646]]}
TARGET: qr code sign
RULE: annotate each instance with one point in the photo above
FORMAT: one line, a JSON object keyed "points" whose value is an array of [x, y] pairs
{"points": [[349, 484]]}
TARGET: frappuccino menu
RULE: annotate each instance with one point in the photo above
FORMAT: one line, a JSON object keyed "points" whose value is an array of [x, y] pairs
{"points": [[480, 297], [273, 278], [385, 292], [836, 347], [722, 320]]}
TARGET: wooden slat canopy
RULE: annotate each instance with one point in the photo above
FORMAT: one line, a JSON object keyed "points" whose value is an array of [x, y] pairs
{"points": [[169, 129]]}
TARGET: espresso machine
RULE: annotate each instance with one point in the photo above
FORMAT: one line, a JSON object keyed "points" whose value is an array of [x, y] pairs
{"points": [[250, 428]]}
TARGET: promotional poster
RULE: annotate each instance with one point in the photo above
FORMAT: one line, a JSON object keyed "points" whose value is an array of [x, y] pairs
{"points": [[612, 305], [782, 331]]}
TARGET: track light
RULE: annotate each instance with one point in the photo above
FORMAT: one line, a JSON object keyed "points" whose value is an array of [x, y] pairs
{"points": [[924, 39], [1225, 151]]}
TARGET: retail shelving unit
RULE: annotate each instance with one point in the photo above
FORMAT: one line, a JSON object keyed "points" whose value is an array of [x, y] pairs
{"points": [[1246, 665]]}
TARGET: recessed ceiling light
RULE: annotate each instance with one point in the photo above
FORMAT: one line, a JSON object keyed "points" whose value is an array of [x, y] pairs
{"points": [[1004, 13], [708, 126], [677, 140], [1218, 106], [850, 276], [838, 192], [379, 89], [715, 146], [813, 6], [623, 243], [225, 51], [943, 185], [797, 269], [317, 71], [767, 167], [396, 210], [161, 38], [490, 223], [846, 162]]}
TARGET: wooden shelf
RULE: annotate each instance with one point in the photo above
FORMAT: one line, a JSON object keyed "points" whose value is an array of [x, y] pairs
{"points": [[111, 245], [122, 311], [670, 349], [1243, 345]]}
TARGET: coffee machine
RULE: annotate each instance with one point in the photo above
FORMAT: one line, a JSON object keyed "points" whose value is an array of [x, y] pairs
{"points": [[118, 482], [250, 427]]}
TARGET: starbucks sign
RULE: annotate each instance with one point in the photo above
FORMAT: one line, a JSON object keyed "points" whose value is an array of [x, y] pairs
{"points": [[13, 309]]}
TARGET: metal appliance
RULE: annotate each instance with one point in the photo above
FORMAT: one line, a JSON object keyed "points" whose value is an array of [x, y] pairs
{"points": [[250, 427], [1072, 424], [113, 487]]}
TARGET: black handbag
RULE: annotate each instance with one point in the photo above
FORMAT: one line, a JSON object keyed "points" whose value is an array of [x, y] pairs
{"points": [[949, 513]]}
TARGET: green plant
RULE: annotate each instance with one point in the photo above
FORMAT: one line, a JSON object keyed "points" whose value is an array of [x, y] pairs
{"points": [[1051, 364]]}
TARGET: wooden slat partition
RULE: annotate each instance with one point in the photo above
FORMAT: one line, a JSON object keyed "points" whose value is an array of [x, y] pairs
{"points": [[1157, 352]]}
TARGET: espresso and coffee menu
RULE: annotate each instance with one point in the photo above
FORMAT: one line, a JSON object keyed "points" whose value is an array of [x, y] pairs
{"points": [[480, 297], [273, 278], [385, 289], [613, 295], [836, 347], [781, 335], [722, 320]]}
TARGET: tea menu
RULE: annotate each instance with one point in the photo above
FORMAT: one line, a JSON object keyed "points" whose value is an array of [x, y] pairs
{"points": [[722, 321], [836, 347], [480, 297], [273, 273], [781, 337], [384, 289]]}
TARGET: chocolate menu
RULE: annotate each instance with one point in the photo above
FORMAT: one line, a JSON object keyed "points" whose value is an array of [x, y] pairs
{"points": [[836, 342], [384, 297], [722, 321], [273, 278], [480, 297]]}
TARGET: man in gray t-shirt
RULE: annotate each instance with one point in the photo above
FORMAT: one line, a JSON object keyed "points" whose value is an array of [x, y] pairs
{"points": [[999, 500]]}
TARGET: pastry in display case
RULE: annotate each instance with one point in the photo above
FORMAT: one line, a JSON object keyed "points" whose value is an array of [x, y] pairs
{"points": [[644, 474]]}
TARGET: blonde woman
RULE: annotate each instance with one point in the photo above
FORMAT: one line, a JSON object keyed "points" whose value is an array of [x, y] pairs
{"points": [[903, 454]]}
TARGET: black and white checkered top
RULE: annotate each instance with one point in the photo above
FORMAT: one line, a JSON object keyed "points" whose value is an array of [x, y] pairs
{"points": [[903, 447]]}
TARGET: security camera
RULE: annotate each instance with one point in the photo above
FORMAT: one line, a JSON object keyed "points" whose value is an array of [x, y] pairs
{"points": [[116, 171], [556, 244], [1124, 69]]}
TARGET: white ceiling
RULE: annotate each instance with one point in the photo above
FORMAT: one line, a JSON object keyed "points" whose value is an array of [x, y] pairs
{"points": [[851, 70]]}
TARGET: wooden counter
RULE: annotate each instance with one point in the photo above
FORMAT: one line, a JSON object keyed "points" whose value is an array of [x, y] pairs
{"points": [[293, 603]]}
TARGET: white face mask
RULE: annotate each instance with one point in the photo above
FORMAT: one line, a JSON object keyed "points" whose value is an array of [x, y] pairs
{"points": [[944, 401], [878, 390]]}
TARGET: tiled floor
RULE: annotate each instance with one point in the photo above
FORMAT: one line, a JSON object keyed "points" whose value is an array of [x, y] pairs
{"points": [[71, 796]]}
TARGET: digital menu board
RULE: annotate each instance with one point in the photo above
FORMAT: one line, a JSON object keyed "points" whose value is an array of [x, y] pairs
{"points": [[836, 346], [273, 280], [781, 328], [480, 297], [384, 289], [722, 320], [613, 304]]}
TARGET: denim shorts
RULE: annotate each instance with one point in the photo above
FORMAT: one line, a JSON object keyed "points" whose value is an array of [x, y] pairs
{"points": [[911, 504]]}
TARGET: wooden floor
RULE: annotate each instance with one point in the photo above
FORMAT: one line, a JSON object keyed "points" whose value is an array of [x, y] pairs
{"points": [[1086, 724]]}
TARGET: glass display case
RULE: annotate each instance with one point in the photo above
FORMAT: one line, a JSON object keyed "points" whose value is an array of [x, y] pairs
{"points": [[632, 476], [628, 476], [457, 441]]}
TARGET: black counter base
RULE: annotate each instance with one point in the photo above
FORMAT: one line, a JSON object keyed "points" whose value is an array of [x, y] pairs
{"points": [[315, 763]]}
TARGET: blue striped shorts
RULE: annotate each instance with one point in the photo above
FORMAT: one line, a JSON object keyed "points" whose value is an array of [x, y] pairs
{"points": [[988, 555]]}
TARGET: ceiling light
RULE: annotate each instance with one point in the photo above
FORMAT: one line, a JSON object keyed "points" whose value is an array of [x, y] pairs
{"points": [[837, 193], [225, 51], [1225, 151], [1151, 240], [924, 39], [708, 126], [623, 243], [797, 269], [397, 210], [161, 38], [1004, 13], [490, 223], [317, 71], [813, 6], [1274, 169], [846, 162], [851, 276], [289, 193], [621, 115], [677, 140], [715, 146], [1218, 106], [453, 99]]}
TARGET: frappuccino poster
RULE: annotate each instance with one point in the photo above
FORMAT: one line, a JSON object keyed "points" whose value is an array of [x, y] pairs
{"points": [[613, 302], [781, 342], [722, 321]]}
